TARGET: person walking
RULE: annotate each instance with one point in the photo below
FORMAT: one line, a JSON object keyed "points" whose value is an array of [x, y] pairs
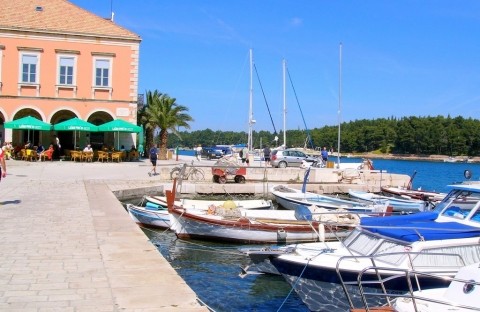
{"points": [[198, 152], [3, 164], [153, 154], [324, 154], [266, 155], [244, 156]]}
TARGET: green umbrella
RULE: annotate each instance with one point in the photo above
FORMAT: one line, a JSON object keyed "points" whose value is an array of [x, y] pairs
{"points": [[119, 125], [28, 123], [75, 124]]}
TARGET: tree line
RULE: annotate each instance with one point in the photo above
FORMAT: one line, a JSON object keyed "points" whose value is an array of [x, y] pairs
{"points": [[407, 135], [440, 135]]}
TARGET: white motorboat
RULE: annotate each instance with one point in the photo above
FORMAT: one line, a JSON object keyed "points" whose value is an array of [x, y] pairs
{"points": [[398, 204], [440, 242]]}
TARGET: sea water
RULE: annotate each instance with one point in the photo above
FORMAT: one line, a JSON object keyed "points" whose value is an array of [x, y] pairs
{"points": [[213, 270]]}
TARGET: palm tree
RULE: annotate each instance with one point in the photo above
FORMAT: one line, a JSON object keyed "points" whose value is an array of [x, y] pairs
{"points": [[163, 113]]}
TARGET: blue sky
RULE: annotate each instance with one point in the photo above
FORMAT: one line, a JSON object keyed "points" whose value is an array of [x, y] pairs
{"points": [[399, 58]]}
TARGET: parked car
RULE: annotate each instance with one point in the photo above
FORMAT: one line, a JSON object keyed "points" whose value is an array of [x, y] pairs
{"points": [[289, 158], [211, 153]]}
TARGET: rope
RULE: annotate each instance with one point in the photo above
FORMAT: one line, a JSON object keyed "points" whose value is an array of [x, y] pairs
{"points": [[293, 286], [268, 108]]}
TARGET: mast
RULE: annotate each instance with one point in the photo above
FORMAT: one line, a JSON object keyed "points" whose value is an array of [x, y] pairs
{"points": [[251, 121], [284, 105], [339, 103]]}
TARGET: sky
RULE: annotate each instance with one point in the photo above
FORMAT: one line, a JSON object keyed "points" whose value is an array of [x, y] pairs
{"points": [[346, 60]]}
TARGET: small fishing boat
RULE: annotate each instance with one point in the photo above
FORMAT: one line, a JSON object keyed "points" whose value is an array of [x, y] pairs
{"points": [[400, 192], [290, 198], [204, 204], [249, 226], [398, 204], [150, 216]]}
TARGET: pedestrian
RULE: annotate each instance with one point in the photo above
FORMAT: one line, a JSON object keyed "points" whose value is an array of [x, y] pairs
{"points": [[3, 164], [198, 152], [244, 156], [153, 159], [266, 155], [324, 154]]}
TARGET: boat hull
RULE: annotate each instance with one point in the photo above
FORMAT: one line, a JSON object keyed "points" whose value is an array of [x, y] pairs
{"points": [[248, 231], [149, 218]]}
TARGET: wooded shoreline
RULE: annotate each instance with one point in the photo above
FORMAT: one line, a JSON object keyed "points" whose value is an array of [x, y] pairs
{"points": [[438, 158]]}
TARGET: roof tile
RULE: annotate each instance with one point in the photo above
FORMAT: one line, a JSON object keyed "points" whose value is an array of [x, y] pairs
{"points": [[58, 16]]}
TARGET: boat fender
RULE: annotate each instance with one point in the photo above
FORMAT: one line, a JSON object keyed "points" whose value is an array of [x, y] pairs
{"points": [[229, 204], [152, 205], [321, 232]]}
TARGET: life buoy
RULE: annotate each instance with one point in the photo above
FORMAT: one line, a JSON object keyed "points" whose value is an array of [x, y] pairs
{"points": [[211, 209]]}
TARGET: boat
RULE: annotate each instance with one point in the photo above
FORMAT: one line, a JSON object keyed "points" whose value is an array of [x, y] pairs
{"points": [[150, 216], [437, 242], [290, 198], [204, 204], [398, 204], [248, 226], [461, 295], [405, 193], [450, 159]]}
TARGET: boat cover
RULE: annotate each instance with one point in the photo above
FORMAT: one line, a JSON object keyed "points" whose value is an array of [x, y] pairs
{"points": [[420, 226]]}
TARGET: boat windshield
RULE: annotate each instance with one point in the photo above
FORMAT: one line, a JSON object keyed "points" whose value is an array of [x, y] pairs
{"points": [[461, 204]]}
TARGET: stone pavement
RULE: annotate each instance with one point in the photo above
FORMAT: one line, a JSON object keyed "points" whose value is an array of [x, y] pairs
{"points": [[67, 243]]}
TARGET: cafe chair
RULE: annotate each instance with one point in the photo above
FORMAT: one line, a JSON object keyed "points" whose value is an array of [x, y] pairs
{"points": [[117, 156], [87, 156], [102, 155]]}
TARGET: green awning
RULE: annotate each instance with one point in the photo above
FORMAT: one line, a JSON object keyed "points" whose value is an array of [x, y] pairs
{"points": [[75, 124], [119, 125], [28, 123]]}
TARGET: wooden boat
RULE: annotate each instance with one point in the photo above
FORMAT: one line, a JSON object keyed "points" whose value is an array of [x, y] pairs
{"points": [[398, 204], [250, 226], [204, 204], [290, 198], [149, 216], [413, 194]]}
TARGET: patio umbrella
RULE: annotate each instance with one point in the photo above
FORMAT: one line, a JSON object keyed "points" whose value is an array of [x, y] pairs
{"points": [[119, 125], [75, 124], [28, 123]]}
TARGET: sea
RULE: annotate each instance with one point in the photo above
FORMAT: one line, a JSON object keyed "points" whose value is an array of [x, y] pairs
{"points": [[214, 270]]}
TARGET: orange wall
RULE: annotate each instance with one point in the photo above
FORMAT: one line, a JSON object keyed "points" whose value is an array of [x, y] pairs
{"points": [[124, 81]]}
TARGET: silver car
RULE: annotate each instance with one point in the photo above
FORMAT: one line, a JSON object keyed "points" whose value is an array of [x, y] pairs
{"points": [[289, 158]]}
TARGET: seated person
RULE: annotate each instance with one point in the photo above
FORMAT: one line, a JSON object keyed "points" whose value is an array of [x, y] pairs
{"points": [[122, 148], [40, 149], [47, 153], [28, 145], [88, 148], [133, 149]]}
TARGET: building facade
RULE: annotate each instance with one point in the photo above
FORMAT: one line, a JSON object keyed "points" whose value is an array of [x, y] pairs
{"points": [[59, 61]]}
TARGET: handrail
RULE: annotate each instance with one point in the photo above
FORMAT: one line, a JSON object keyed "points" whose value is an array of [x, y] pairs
{"points": [[378, 272], [408, 275]]}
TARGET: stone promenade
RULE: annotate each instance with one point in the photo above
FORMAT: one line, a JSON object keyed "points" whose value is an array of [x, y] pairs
{"points": [[67, 244]]}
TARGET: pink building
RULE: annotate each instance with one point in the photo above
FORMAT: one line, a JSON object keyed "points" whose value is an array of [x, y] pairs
{"points": [[58, 61]]}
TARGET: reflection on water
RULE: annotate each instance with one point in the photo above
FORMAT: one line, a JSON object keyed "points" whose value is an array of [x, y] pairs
{"points": [[212, 271]]}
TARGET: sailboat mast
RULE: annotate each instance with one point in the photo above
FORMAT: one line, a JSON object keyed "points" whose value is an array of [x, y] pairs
{"points": [[339, 103], [284, 105], [251, 121]]}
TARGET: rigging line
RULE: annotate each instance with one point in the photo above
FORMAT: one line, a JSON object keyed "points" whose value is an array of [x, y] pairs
{"points": [[301, 112], [263, 93]]}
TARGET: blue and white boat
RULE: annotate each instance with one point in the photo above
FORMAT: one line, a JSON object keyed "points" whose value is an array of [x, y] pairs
{"points": [[398, 204], [438, 242], [290, 198]]}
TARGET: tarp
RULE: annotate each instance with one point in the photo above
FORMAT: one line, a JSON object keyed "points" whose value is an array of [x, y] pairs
{"points": [[28, 123]]}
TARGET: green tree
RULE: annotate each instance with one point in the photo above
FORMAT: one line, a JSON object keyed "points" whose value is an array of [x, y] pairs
{"points": [[165, 114]]}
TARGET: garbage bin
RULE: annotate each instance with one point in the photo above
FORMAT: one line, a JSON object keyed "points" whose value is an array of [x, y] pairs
{"points": [[330, 164], [169, 154]]}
